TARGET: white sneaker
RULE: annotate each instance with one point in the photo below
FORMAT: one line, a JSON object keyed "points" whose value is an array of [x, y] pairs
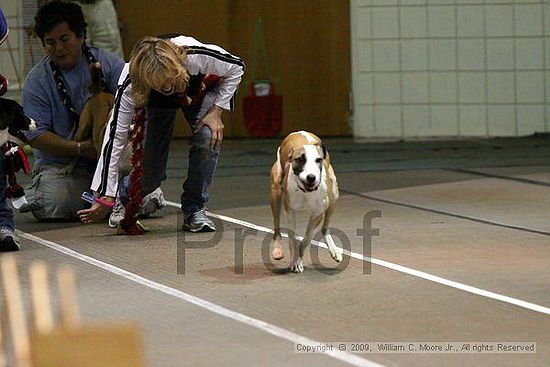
{"points": [[150, 204], [198, 222], [117, 215]]}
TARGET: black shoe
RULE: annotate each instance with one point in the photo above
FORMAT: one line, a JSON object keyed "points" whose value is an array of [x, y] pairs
{"points": [[8, 240], [198, 222]]}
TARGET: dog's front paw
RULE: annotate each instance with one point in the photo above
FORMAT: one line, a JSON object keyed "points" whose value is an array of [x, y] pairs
{"points": [[297, 267], [336, 254], [335, 251], [277, 253]]}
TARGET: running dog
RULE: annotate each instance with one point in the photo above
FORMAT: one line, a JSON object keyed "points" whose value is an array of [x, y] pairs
{"points": [[302, 179], [13, 121], [94, 116]]}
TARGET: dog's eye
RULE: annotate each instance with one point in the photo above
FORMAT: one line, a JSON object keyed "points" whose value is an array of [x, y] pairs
{"points": [[302, 158], [319, 160]]}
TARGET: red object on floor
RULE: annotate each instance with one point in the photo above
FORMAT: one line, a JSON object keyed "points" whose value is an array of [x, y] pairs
{"points": [[263, 110]]}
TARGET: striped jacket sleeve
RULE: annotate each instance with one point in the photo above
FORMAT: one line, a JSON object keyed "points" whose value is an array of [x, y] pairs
{"points": [[211, 59], [201, 58], [105, 181]]}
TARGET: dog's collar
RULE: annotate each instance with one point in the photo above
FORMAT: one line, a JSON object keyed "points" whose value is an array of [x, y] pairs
{"points": [[301, 188], [297, 181]]}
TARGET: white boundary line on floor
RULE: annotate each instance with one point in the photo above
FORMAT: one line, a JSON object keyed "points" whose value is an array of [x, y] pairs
{"points": [[400, 268], [212, 307]]}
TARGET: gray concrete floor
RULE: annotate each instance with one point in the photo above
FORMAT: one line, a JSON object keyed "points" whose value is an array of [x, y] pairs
{"points": [[471, 211]]}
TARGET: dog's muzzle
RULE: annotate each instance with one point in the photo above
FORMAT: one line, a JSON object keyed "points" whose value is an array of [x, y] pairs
{"points": [[310, 183]]}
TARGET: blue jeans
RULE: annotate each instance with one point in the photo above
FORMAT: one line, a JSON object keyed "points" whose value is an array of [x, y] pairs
{"points": [[202, 159], [6, 214]]}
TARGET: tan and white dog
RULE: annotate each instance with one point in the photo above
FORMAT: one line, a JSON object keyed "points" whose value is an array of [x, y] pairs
{"points": [[302, 179]]}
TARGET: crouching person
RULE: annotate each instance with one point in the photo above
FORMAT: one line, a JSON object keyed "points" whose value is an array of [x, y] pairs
{"points": [[54, 95]]}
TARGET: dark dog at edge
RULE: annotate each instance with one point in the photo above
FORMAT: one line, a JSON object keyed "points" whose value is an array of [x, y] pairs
{"points": [[13, 121]]}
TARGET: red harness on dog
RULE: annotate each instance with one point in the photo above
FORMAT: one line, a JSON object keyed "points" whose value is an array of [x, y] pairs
{"points": [[15, 160]]}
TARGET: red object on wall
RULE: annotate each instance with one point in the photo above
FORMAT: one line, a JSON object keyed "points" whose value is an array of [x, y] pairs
{"points": [[263, 110]]}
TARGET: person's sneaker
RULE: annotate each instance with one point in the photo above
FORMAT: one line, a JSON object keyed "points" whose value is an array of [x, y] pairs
{"points": [[8, 240], [152, 202], [198, 222], [117, 214]]}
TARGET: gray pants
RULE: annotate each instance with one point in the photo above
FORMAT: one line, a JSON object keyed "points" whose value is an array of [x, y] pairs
{"points": [[55, 197]]}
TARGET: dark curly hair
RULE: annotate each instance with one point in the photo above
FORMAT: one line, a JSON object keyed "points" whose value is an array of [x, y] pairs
{"points": [[57, 12]]}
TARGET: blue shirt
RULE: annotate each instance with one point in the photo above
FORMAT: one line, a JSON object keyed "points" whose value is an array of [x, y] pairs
{"points": [[42, 101]]}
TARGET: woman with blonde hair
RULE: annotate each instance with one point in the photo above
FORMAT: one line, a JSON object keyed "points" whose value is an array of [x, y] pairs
{"points": [[165, 74]]}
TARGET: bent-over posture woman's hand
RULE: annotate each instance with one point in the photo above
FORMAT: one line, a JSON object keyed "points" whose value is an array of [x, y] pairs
{"points": [[213, 119], [96, 213]]}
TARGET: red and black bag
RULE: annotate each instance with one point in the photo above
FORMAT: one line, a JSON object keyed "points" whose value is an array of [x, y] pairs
{"points": [[263, 108]]}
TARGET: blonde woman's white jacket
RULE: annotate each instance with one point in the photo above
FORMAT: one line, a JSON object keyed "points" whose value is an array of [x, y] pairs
{"points": [[201, 59]]}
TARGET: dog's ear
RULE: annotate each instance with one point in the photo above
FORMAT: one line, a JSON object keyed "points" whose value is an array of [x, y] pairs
{"points": [[323, 149], [290, 154], [10, 104], [10, 107]]}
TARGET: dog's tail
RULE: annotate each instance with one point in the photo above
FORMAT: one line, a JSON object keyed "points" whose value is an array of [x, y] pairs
{"points": [[98, 83]]}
